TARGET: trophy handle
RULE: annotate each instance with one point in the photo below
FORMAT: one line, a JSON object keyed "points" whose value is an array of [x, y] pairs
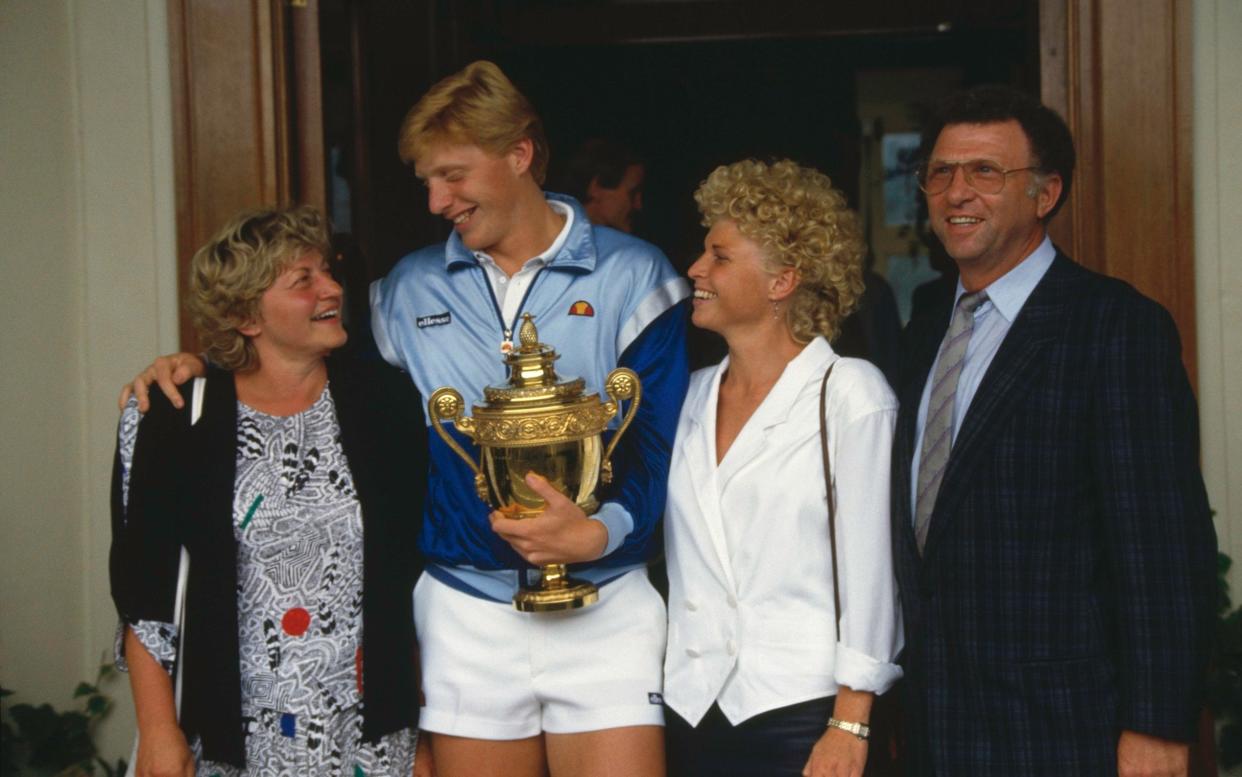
{"points": [[446, 404], [622, 383]]}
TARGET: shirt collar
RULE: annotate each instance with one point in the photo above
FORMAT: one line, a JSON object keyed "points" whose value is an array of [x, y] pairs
{"points": [[567, 250], [1009, 292]]}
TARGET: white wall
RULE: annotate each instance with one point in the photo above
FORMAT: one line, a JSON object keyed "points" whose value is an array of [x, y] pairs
{"points": [[1218, 263], [42, 608], [88, 295]]}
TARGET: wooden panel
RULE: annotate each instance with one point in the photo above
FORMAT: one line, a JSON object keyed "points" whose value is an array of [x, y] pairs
{"points": [[1119, 71], [309, 164], [237, 142]]}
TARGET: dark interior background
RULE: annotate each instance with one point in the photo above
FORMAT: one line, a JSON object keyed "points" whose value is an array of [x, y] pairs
{"points": [[691, 84]]}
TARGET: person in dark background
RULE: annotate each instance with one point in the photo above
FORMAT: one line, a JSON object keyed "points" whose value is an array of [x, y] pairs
{"points": [[1052, 538], [873, 331], [607, 176], [927, 296]]}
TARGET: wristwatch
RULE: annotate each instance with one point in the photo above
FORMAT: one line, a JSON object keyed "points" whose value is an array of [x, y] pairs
{"points": [[860, 730]]}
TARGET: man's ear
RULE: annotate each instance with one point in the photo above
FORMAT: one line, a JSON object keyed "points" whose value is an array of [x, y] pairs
{"points": [[521, 155], [783, 284], [1047, 194]]}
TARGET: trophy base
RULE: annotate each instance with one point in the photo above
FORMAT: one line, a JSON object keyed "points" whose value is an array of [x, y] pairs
{"points": [[555, 592]]}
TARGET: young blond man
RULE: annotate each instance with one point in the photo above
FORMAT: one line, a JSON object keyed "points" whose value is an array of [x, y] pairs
{"points": [[507, 693]]}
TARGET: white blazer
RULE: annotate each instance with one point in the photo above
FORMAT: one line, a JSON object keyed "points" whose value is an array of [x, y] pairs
{"points": [[751, 621]]}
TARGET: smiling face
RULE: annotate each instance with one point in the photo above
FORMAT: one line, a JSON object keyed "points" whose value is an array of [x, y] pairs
{"points": [[733, 289], [989, 234], [475, 190], [299, 314]]}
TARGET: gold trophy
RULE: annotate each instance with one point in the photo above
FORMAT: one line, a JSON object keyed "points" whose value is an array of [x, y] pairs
{"points": [[537, 423]]}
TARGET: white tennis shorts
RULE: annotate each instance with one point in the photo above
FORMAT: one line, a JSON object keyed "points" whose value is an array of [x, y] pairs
{"points": [[491, 672]]}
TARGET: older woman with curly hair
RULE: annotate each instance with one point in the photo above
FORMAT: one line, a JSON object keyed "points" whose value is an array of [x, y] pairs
{"points": [[294, 481], [757, 680]]}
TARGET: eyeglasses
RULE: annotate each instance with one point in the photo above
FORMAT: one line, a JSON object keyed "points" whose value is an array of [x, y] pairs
{"points": [[981, 175]]}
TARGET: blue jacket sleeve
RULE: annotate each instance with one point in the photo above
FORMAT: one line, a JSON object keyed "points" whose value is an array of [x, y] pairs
{"points": [[641, 460]]}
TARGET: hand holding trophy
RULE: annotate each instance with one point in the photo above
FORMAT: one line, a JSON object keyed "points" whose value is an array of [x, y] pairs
{"points": [[541, 424]]}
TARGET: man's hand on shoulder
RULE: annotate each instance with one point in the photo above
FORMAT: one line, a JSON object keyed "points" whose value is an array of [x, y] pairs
{"points": [[168, 372], [1140, 755]]}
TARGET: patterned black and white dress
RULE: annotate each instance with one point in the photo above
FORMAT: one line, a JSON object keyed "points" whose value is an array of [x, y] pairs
{"points": [[298, 526]]}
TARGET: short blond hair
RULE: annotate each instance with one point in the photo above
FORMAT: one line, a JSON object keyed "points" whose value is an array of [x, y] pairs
{"points": [[229, 274], [799, 220], [478, 105]]}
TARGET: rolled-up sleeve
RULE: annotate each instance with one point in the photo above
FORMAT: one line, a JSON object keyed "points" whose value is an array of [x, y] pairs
{"points": [[159, 639], [871, 631]]}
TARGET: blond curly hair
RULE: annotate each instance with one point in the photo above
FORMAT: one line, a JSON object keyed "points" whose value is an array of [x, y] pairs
{"points": [[477, 105], [799, 220], [229, 274]]}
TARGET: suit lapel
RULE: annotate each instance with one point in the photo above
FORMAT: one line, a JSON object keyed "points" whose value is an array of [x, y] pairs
{"points": [[1014, 370]]}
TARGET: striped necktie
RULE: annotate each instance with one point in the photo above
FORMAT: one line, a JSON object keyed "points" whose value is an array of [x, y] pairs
{"points": [[938, 429]]}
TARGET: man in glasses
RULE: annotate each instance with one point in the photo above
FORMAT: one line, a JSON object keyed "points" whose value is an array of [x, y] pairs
{"points": [[1051, 531]]}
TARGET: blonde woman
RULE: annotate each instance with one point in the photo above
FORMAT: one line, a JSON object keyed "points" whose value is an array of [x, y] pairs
{"points": [[756, 681], [295, 485]]}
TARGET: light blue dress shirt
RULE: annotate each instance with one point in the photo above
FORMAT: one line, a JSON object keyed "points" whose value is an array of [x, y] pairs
{"points": [[1006, 296]]}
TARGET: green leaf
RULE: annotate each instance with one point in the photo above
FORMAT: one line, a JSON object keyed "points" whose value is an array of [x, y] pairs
{"points": [[11, 747], [84, 689], [98, 705], [35, 724]]}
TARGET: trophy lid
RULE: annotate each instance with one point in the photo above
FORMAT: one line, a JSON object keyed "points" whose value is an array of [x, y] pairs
{"points": [[532, 377]]}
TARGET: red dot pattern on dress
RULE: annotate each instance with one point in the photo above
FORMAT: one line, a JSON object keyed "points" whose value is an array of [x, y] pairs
{"points": [[295, 621]]}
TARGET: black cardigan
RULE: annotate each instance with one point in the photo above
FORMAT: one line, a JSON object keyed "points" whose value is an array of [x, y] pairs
{"points": [[181, 492]]}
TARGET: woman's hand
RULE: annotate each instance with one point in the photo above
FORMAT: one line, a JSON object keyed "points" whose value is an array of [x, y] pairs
{"points": [[168, 372], [562, 534], [837, 754], [163, 752]]}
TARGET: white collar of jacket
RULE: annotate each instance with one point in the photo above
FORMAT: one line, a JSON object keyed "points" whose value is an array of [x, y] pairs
{"points": [[704, 394], [576, 252], [700, 440]]}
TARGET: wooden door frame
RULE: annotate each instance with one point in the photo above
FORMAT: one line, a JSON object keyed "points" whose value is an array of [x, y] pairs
{"points": [[1120, 72], [247, 116]]}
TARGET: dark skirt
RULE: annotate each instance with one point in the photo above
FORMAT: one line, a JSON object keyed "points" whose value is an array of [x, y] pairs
{"points": [[776, 743]]}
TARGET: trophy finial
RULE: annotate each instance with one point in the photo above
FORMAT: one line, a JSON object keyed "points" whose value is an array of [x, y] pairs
{"points": [[528, 336]]}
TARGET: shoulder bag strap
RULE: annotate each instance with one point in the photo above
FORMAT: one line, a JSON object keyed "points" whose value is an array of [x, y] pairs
{"points": [[832, 507]]}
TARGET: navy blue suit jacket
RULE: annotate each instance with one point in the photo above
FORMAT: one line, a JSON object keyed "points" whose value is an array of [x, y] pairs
{"points": [[1065, 591]]}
